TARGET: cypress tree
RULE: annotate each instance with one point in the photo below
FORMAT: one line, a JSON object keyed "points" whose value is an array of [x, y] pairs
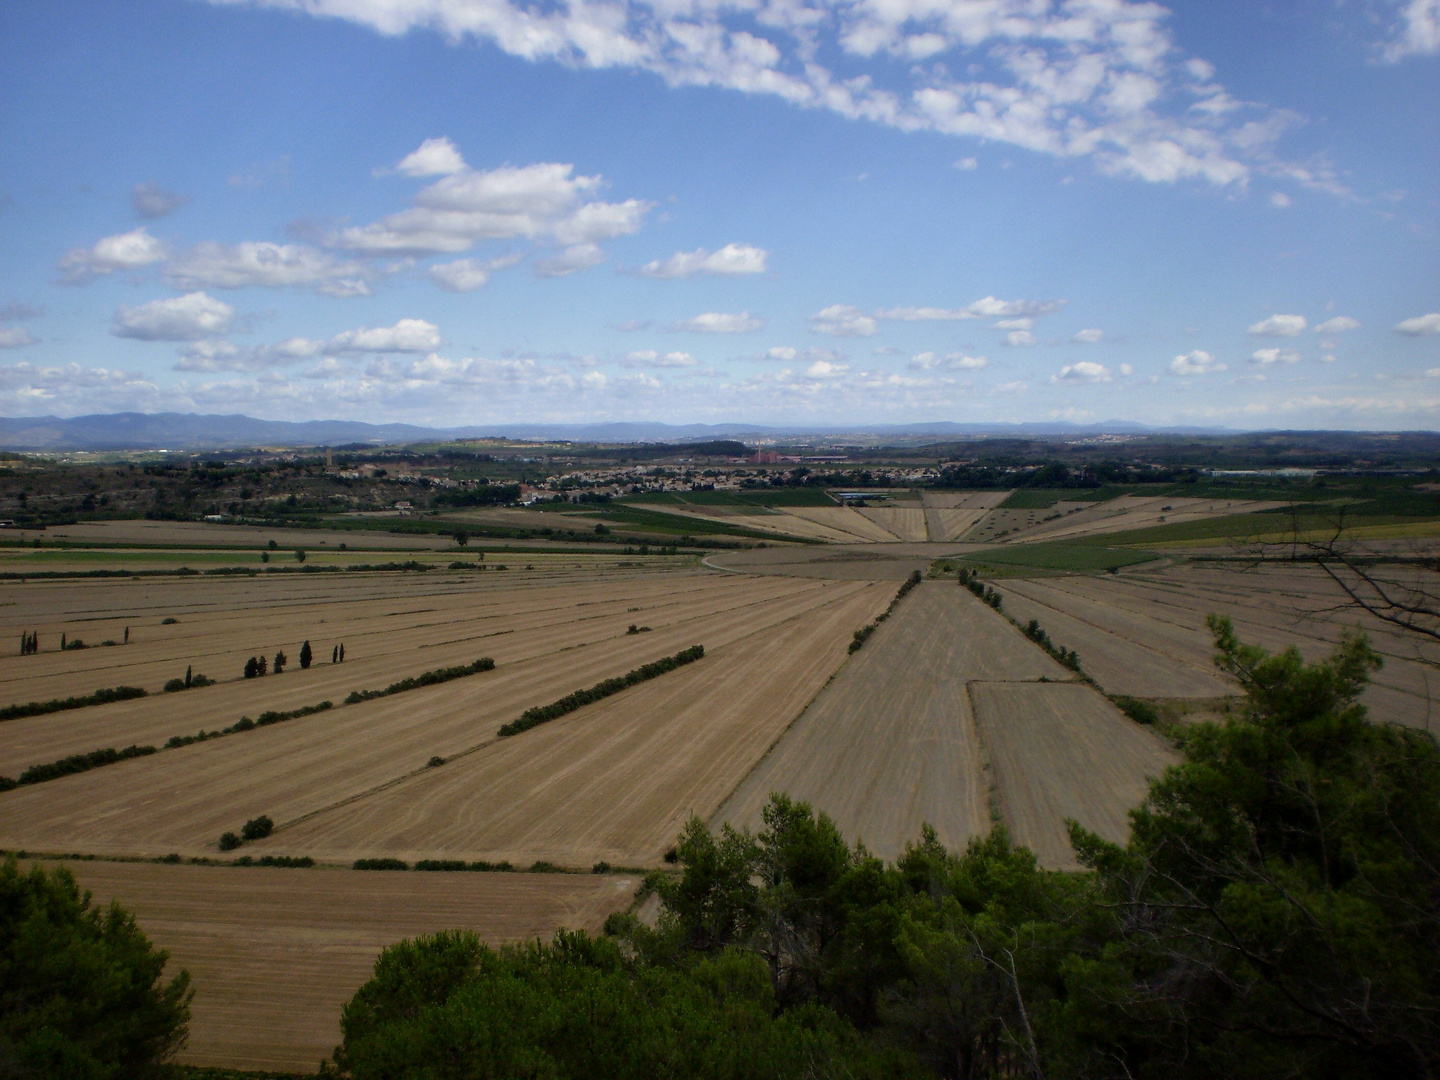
{"points": [[127, 635], [251, 668], [280, 661], [335, 655], [342, 652], [187, 676], [305, 656], [62, 641], [261, 665]]}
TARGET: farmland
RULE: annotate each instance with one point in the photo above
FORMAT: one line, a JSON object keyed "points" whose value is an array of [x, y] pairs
{"points": [[945, 714]]}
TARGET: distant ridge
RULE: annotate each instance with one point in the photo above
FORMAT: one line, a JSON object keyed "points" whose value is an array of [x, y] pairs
{"points": [[195, 431]]}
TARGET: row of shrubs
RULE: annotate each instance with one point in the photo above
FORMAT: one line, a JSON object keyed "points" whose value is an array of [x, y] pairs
{"points": [[429, 678], [75, 763], [479, 866], [219, 571], [270, 716], [255, 829], [99, 697], [541, 714], [971, 580], [190, 681], [1069, 657], [863, 634]]}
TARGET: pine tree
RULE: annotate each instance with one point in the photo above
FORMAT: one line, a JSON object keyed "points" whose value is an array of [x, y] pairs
{"points": [[251, 668], [280, 661], [261, 666], [305, 656]]}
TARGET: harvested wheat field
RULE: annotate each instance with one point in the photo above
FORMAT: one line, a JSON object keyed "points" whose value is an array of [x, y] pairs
{"points": [[907, 524], [182, 799], [890, 744], [845, 520], [1137, 617], [1063, 751], [274, 954], [949, 515], [393, 626], [617, 780]]}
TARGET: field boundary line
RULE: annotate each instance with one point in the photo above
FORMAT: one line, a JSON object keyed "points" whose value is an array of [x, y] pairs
{"points": [[994, 800]]}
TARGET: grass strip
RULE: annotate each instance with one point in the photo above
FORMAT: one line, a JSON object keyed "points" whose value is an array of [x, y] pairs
{"points": [[270, 716], [541, 714], [75, 763], [99, 697], [429, 678]]}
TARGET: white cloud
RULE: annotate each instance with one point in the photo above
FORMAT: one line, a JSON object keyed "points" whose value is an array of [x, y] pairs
{"points": [[1274, 356], [152, 201], [1280, 200], [217, 354], [1100, 79], [1278, 326], [16, 337], [1327, 359], [435, 157], [780, 352], [1338, 325], [267, 265], [1088, 337], [1420, 325], [929, 361], [1126, 370], [730, 261], [986, 308], [134, 250], [181, 318], [1198, 362], [1015, 324], [1019, 338], [720, 322], [542, 202], [1084, 371], [575, 259], [968, 164], [1418, 32], [843, 320], [406, 336], [649, 358], [826, 369], [467, 275]]}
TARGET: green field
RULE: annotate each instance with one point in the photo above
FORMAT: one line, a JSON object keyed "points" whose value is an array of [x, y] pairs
{"points": [[1021, 559]]}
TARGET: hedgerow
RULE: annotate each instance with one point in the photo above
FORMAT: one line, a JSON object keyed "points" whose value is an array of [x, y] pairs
{"points": [[381, 864], [75, 763], [541, 714], [270, 716], [99, 697], [429, 678], [863, 634], [298, 862]]}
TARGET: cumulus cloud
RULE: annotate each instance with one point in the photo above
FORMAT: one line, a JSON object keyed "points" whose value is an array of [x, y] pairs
{"points": [[15, 311], [652, 359], [406, 336], [133, 250], [929, 361], [826, 369], [1198, 362], [1084, 371], [1280, 200], [720, 322], [1126, 370], [573, 260], [29, 388], [1278, 326], [986, 308], [1338, 325], [467, 275], [218, 354], [968, 164], [435, 157], [16, 337], [781, 352], [843, 320], [1019, 338], [1102, 81], [151, 201], [1015, 324], [541, 202], [1274, 356], [181, 318], [267, 265], [1420, 325], [732, 260], [1088, 337], [1417, 32]]}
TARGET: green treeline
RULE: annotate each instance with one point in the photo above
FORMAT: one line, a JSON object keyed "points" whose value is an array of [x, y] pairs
{"points": [[541, 714], [863, 634], [429, 678], [99, 697], [75, 763], [1275, 913], [265, 719]]}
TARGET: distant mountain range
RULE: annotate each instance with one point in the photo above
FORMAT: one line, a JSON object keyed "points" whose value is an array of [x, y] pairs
{"points": [[193, 431]]}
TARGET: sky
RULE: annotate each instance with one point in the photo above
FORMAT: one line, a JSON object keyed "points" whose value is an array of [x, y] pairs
{"points": [[806, 213]]}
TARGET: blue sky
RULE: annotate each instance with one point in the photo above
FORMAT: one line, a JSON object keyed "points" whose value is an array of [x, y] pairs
{"points": [[774, 211]]}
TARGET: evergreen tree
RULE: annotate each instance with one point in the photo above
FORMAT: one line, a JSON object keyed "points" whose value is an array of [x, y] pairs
{"points": [[261, 665], [305, 656], [335, 655], [187, 676], [251, 668], [280, 661], [342, 652]]}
